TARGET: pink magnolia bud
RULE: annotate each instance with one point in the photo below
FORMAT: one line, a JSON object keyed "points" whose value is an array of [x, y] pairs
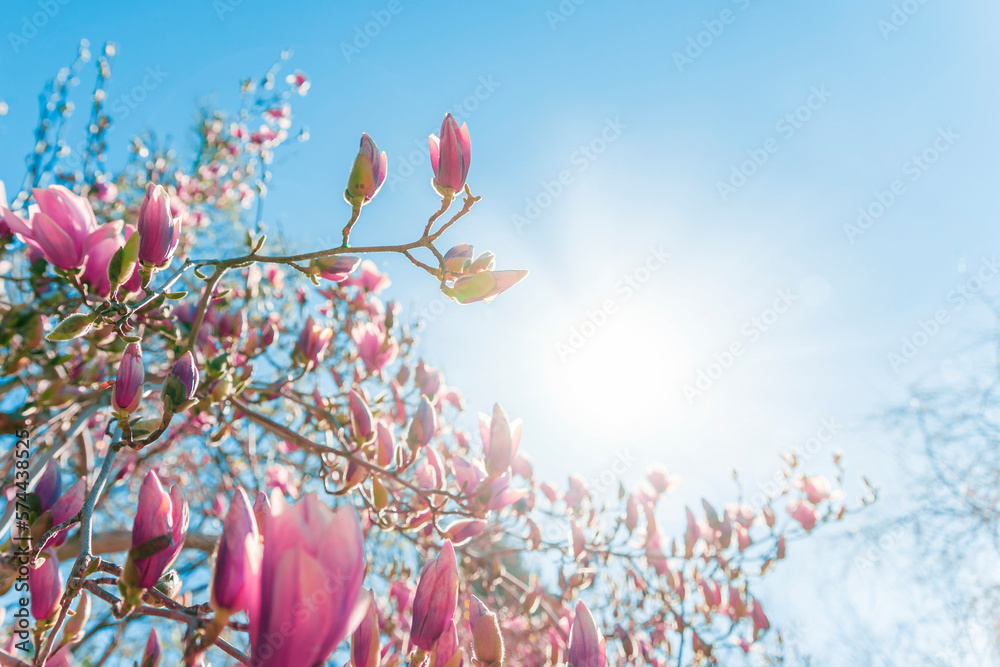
{"points": [[159, 232], [45, 585], [760, 621], [386, 445], [76, 622], [68, 506], [261, 510], [337, 268], [586, 643], [483, 286], [501, 439], [151, 656], [459, 259], [660, 478], [61, 658], [423, 426], [313, 341], [314, 560], [158, 532], [237, 562], [361, 416], [817, 489], [128, 384], [804, 512], [375, 348], [48, 486], [365, 649], [487, 641], [181, 383], [436, 598], [451, 156], [461, 531], [446, 652], [367, 174]]}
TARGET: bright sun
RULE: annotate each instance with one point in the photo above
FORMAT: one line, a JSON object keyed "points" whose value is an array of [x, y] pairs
{"points": [[628, 371]]}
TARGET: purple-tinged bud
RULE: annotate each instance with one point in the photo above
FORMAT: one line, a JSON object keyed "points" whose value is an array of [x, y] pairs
{"points": [[337, 268], [237, 562], [48, 486], [128, 384], [361, 417], [367, 174], [424, 425], [446, 652], [586, 643], [436, 598], [45, 585], [181, 384], [158, 532], [159, 232], [487, 642], [451, 156], [459, 258], [365, 649], [151, 656]]}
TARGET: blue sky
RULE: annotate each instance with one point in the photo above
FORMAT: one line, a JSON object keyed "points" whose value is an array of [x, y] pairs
{"points": [[641, 138]]}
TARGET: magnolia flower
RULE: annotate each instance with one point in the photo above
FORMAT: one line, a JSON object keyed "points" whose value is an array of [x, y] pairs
{"points": [[61, 227], [67, 506], [804, 512], [436, 598], [158, 532], [337, 269], [310, 583], [450, 157], [586, 643], [375, 349], [367, 174], [446, 652], [370, 279]]}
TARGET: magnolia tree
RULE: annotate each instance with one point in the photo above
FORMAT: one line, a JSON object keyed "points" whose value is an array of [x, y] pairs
{"points": [[240, 459]]}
